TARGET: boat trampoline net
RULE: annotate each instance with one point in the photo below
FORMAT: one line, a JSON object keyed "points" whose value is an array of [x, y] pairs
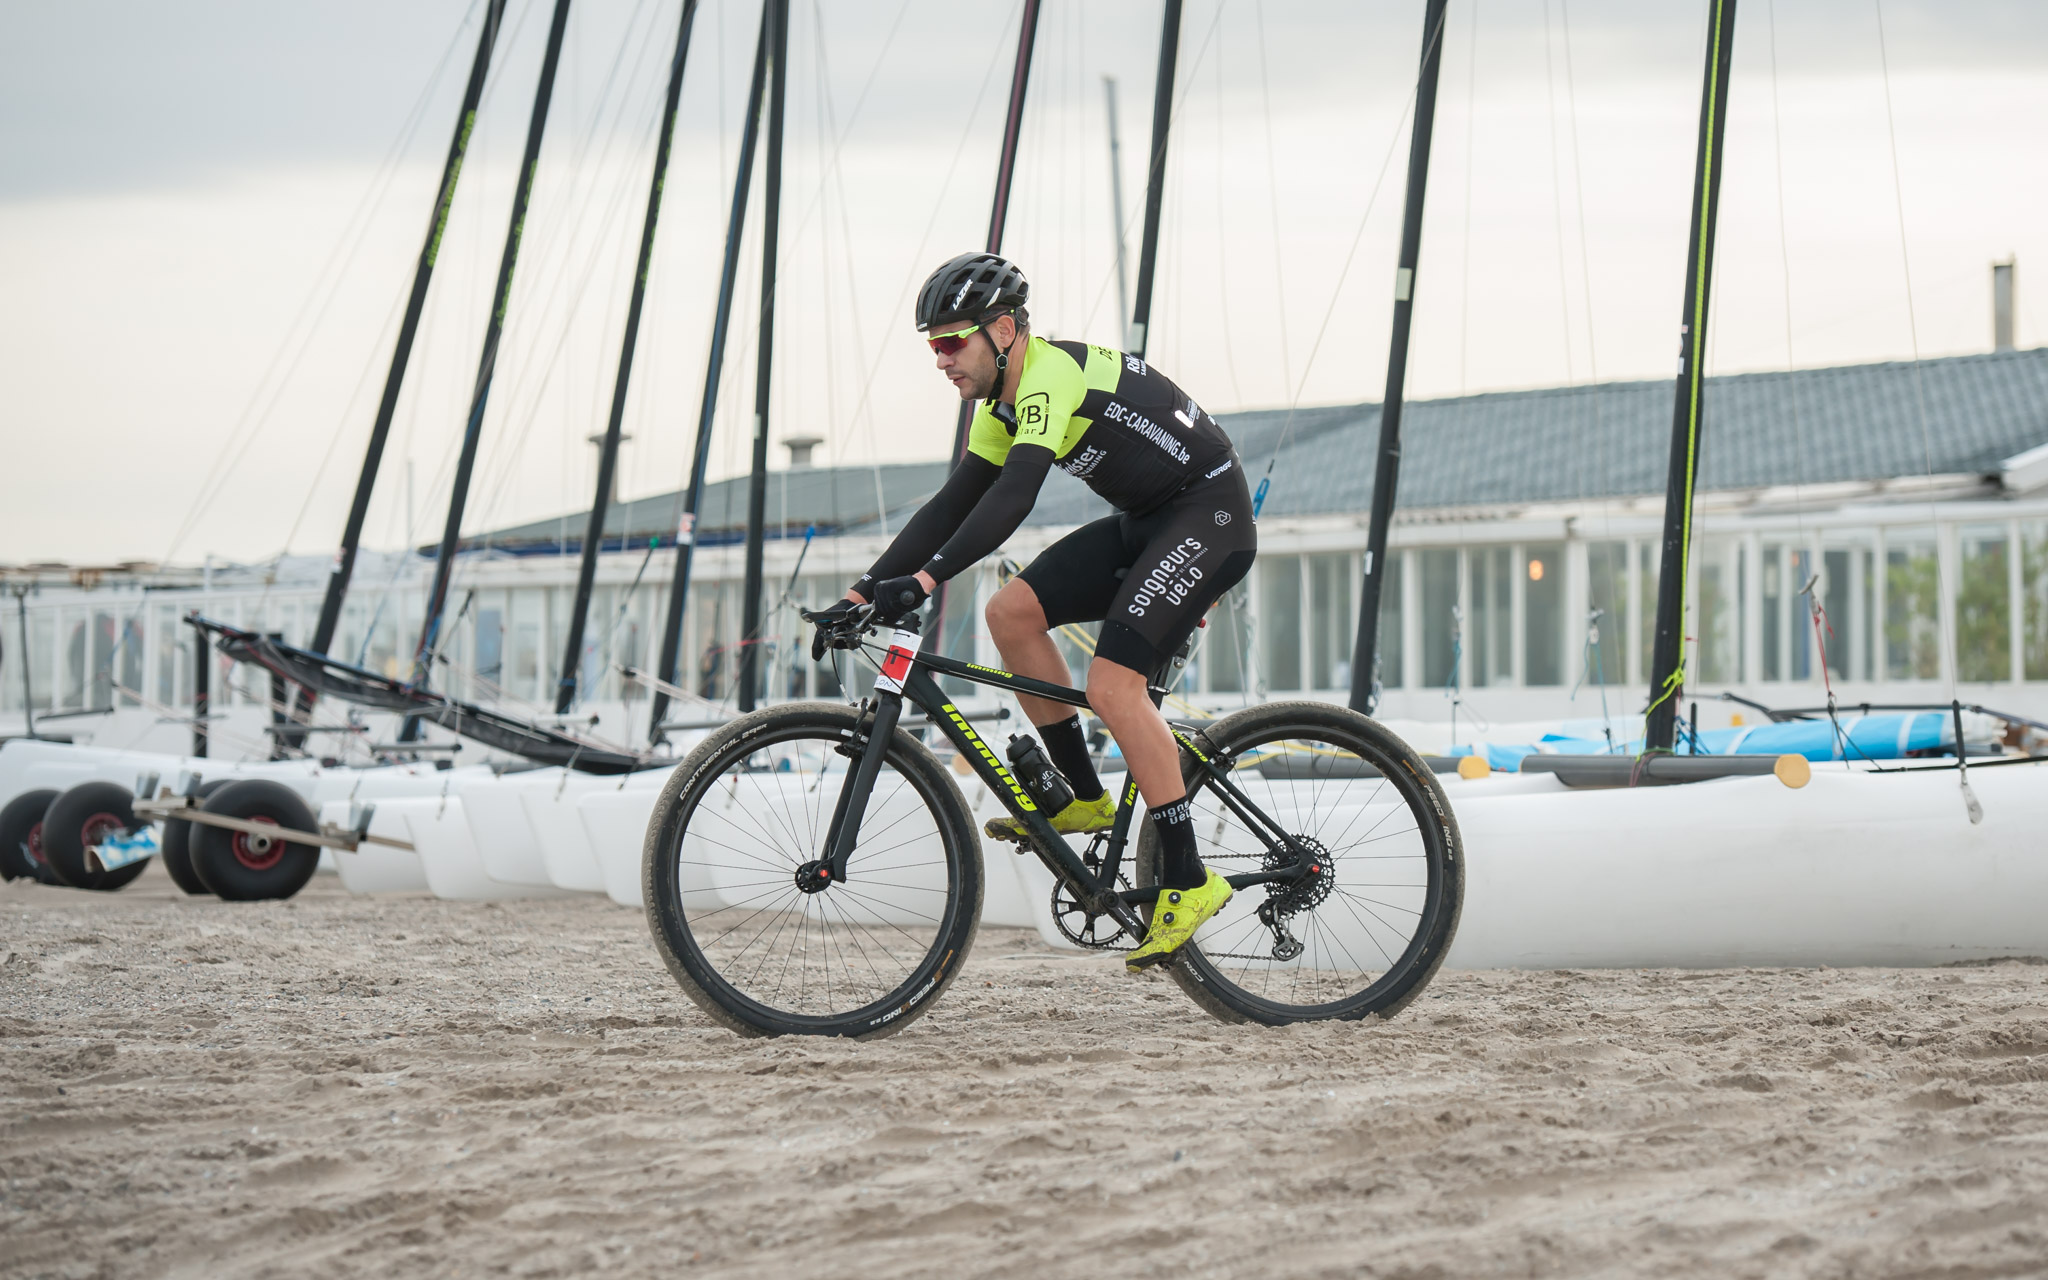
{"points": [[324, 675]]}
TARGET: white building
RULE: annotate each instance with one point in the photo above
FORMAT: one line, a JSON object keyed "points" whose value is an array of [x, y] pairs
{"points": [[1912, 498]]}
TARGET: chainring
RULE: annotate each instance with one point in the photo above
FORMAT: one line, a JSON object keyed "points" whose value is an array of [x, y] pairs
{"points": [[1083, 928]]}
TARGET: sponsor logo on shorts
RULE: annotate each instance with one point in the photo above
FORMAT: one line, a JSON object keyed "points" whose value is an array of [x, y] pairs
{"points": [[1212, 474], [1222, 517], [1172, 579]]}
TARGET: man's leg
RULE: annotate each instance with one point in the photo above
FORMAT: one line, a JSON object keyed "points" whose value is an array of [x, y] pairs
{"points": [[1016, 622], [1119, 695]]}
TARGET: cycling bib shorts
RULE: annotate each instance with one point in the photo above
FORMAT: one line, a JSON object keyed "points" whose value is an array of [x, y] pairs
{"points": [[1149, 579]]}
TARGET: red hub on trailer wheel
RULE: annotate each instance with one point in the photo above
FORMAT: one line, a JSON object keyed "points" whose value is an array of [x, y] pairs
{"points": [[97, 828], [35, 845], [258, 853]]}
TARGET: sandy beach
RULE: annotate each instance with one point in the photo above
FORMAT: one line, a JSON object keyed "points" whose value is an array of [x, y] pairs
{"points": [[335, 1086]]}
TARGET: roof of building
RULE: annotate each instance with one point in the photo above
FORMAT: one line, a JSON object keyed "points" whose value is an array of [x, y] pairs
{"points": [[1958, 415]]}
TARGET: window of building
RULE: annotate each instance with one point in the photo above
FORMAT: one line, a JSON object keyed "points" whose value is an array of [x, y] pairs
{"points": [[1442, 620], [1607, 609], [1649, 568], [1332, 620], [1774, 611], [130, 652], [1912, 634], [1983, 603], [1543, 638], [1722, 610], [488, 671], [2034, 597], [1393, 634], [1490, 640], [1801, 643], [523, 662], [1223, 646], [1280, 621]]}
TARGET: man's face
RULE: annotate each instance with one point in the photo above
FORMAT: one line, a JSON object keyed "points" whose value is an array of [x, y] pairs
{"points": [[972, 369]]}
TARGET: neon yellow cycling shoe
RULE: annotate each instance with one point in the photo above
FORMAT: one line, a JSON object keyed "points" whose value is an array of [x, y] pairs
{"points": [[1078, 818], [1175, 917]]}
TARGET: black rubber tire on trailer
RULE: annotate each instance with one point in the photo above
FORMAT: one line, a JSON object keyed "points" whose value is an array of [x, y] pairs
{"points": [[1373, 884], [245, 868], [21, 837], [177, 847], [79, 819], [787, 743]]}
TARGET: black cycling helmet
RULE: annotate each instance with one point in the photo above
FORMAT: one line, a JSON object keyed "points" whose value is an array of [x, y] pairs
{"points": [[968, 288]]}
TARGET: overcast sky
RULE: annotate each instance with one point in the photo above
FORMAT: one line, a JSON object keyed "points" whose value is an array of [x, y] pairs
{"points": [[210, 211]]}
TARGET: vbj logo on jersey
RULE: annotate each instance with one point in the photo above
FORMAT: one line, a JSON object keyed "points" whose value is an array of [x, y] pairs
{"points": [[1031, 411]]}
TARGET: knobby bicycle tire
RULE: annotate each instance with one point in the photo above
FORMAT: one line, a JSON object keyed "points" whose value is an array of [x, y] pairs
{"points": [[1378, 928], [740, 818]]}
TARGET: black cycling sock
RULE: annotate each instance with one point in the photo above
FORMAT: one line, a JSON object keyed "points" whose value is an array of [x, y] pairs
{"points": [[1180, 867], [1067, 747]]}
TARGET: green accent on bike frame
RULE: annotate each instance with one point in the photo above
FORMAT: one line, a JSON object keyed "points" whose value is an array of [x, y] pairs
{"points": [[1693, 373], [988, 757], [1193, 750], [448, 191]]}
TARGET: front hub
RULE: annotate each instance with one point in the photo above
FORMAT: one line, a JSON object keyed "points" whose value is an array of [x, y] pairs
{"points": [[814, 876]]}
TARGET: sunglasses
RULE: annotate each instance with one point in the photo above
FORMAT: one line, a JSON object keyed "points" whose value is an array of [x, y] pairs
{"points": [[949, 344]]}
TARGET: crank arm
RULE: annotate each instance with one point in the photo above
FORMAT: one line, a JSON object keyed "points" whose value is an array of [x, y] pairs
{"points": [[1244, 880]]}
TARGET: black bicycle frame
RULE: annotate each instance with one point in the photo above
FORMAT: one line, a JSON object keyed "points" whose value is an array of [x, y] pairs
{"points": [[906, 675]]}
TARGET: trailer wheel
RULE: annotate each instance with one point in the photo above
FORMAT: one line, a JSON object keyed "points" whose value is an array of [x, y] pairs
{"points": [[21, 837], [177, 851], [242, 867], [80, 819]]}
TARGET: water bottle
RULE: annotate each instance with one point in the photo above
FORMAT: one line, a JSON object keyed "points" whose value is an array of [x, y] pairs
{"points": [[1046, 787]]}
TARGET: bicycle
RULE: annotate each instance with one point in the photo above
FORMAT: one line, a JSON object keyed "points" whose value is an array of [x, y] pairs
{"points": [[786, 905]]}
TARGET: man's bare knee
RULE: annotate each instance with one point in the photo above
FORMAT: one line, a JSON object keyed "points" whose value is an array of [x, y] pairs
{"points": [[1014, 611], [1113, 683]]}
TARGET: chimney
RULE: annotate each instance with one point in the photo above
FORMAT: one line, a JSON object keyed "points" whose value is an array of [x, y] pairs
{"points": [[2004, 280], [597, 438], [800, 449]]}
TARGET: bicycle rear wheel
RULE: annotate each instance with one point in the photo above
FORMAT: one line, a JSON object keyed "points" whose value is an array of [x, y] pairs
{"points": [[1365, 932], [746, 926]]}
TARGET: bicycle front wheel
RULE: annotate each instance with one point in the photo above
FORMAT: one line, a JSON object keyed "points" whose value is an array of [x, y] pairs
{"points": [[1367, 929], [754, 935]]}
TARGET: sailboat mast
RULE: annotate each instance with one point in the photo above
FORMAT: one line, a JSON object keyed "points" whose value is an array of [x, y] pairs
{"points": [[1387, 467], [686, 524], [1116, 203], [1155, 182], [608, 457], [757, 489], [1006, 167], [373, 458], [451, 533], [1667, 650]]}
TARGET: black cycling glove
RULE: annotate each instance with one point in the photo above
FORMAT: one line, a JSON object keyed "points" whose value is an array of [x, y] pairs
{"points": [[898, 597], [827, 621]]}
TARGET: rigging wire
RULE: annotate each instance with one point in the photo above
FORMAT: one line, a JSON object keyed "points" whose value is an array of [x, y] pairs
{"points": [[299, 334], [1471, 135], [1273, 198], [1337, 289], [1942, 590]]}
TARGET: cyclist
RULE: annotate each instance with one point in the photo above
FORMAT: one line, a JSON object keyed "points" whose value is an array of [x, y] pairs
{"points": [[1182, 536]]}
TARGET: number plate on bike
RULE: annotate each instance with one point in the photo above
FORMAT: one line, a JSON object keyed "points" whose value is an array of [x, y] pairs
{"points": [[896, 665]]}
